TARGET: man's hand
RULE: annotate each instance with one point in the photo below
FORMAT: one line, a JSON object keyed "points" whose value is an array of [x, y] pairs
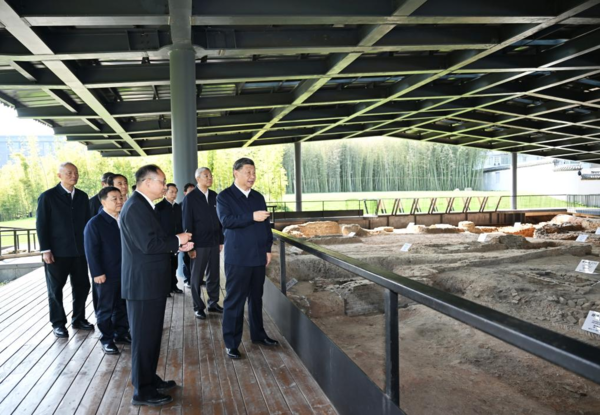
{"points": [[184, 238], [192, 254], [186, 247], [220, 248], [48, 258], [268, 259], [261, 215], [100, 280]]}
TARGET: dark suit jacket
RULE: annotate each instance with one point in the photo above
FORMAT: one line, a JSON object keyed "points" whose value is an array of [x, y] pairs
{"points": [[246, 241], [146, 252], [201, 220], [102, 239], [169, 216], [95, 205], [60, 221]]}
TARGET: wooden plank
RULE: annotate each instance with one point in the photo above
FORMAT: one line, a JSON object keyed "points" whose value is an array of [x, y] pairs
{"points": [[24, 281], [191, 396], [28, 310], [270, 389], [306, 383], [21, 299], [118, 383]]}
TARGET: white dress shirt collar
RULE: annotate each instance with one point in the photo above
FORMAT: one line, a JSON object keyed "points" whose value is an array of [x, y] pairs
{"points": [[114, 217], [205, 194], [146, 197], [72, 192], [245, 192]]}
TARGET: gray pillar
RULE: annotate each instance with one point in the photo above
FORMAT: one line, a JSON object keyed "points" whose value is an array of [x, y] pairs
{"points": [[183, 115], [298, 174], [513, 189]]}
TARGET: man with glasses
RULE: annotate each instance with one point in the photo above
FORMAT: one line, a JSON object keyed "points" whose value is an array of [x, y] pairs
{"points": [[146, 282], [200, 218]]}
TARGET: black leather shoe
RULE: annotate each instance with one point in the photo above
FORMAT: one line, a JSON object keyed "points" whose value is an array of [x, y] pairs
{"points": [[200, 314], [110, 348], [156, 399], [177, 291], [267, 341], [234, 353], [83, 325], [166, 385], [125, 339], [215, 308], [60, 332]]}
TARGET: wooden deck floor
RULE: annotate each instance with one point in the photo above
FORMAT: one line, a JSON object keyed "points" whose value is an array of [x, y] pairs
{"points": [[40, 374]]}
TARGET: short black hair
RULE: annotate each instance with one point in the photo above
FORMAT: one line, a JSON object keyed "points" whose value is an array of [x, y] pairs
{"points": [[106, 177], [133, 187], [187, 186], [240, 163], [111, 179], [171, 185], [103, 194], [144, 171]]}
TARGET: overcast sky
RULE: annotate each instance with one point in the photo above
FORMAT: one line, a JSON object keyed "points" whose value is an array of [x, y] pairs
{"points": [[11, 125]]}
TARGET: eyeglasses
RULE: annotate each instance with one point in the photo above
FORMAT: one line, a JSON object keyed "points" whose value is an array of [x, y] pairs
{"points": [[157, 180]]}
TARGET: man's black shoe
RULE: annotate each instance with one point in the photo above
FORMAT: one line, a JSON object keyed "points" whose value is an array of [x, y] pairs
{"points": [[156, 399], [200, 314], [177, 291], [110, 348], [125, 339], [234, 353], [60, 332], [267, 341], [215, 308], [83, 325], [166, 385]]}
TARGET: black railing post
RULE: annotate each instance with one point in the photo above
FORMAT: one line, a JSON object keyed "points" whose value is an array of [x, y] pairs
{"points": [[282, 279], [28, 240], [392, 347]]}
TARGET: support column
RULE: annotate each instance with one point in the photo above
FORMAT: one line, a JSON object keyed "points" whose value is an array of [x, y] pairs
{"points": [[298, 174], [513, 189], [182, 68]]}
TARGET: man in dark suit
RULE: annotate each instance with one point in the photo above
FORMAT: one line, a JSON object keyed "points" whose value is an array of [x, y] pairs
{"points": [[187, 267], [200, 218], [102, 239], [62, 214], [95, 204], [146, 283], [169, 216], [248, 240]]}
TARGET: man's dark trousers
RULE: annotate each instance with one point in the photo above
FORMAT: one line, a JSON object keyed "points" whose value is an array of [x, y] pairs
{"points": [[56, 278], [145, 359], [111, 311], [207, 259], [174, 263], [187, 267], [243, 282]]}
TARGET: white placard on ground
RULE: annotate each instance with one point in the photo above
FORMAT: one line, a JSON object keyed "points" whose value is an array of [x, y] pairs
{"points": [[592, 322], [482, 237], [597, 231], [517, 224], [351, 234], [405, 247], [587, 267], [581, 238], [291, 283]]}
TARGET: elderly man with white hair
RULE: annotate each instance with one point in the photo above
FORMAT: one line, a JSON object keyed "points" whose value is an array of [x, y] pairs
{"points": [[201, 220], [62, 214]]}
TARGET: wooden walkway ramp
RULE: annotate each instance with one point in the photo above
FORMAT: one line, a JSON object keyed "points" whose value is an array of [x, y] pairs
{"points": [[40, 374]]}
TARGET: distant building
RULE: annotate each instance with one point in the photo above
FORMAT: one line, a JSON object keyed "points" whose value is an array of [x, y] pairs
{"points": [[541, 175], [16, 143]]}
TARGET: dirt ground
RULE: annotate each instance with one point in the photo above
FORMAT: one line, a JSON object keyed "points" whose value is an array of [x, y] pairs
{"points": [[446, 366]]}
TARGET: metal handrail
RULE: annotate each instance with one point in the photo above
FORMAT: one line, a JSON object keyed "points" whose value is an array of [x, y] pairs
{"points": [[571, 354], [17, 233]]}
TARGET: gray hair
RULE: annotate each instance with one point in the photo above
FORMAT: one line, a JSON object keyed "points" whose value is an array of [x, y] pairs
{"points": [[65, 164], [240, 163], [199, 171]]}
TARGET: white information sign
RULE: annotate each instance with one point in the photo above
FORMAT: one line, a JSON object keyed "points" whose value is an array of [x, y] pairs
{"points": [[351, 234], [597, 231], [582, 238], [482, 237], [592, 322], [291, 283], [517, 224], [405, 247], [587, 267]]}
